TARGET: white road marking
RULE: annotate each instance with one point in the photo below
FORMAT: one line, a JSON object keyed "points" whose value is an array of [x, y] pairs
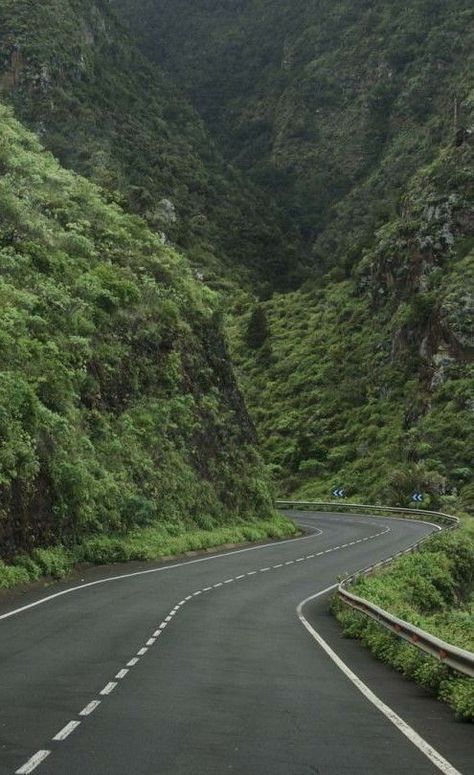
{"points": [[142, 651], [66, 731], [242, 576], [33, 762], [40, 755], [122, 673], [90, 708], [442, 764], [310, 556], [182, 602], [219, 584], [89, 584], [108, 688], [195, 594], [151, 641], [168, 618], [207, 589]]}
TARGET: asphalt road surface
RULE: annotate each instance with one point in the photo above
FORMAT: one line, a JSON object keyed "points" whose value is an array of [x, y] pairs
{"points": [[204, 666]]}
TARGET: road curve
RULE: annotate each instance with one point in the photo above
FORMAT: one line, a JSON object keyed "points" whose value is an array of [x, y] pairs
{"points": [[203, 667]]}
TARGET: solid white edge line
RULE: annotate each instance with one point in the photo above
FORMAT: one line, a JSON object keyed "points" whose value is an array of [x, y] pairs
{"points": [[66, 731], [439, 761], [89, 584], [33, 762]]}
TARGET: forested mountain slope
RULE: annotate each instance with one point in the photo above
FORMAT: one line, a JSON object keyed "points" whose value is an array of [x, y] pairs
{"points": [[118, 406], [368, 383], [79, 78], [317, 154], [356, 118], [328, 105]]}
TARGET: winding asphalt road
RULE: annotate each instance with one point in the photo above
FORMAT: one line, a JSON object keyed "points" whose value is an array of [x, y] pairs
{"points": [[203, 666]]}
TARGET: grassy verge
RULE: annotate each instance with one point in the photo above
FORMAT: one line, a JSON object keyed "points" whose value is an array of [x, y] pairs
{"points": [[432, 589], [152, 543]]}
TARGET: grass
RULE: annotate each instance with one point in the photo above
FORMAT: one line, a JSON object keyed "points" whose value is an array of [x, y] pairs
{"points": [[433, 589], [151, 543]]}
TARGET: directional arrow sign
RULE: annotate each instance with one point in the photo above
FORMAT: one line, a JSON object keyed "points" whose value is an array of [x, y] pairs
{"points": [[338, 492], [417, 497]]}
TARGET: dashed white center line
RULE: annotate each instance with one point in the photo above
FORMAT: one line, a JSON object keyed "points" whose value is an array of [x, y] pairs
{"points": [[32, 763], [41, 755], [108, 688], [66, 731], [90, 708]]}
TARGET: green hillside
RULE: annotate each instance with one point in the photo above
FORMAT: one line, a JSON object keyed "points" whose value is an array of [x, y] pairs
{"points": [[118, 406], [367, 383], [78, 78], [355, 118], [328, 105]]}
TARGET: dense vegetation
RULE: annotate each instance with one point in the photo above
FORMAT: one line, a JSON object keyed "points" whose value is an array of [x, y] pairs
{"points": [[328, 105], [367, 383], [433, 589], [118, 406], [348, 114], [313, 162], [77, 77]]}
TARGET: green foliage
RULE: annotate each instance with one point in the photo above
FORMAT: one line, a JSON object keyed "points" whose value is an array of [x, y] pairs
{"points": [[432, 589], [118, 406], [257, 328], [370, 380], [328, 105], [152, 543], [77, 76]]}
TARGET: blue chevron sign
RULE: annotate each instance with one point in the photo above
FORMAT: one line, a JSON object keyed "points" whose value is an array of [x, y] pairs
{"points": [[417, 497], [338, 492]]}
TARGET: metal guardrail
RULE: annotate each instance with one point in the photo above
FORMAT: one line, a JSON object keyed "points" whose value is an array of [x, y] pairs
{"points": [[456, 658]]}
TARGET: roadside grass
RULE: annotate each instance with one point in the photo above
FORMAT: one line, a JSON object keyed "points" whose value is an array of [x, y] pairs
{"points": [[434, 590], [155, 542]]}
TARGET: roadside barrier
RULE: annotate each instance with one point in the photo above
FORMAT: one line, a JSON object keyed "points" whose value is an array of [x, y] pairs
{"points": [[456, 658]]}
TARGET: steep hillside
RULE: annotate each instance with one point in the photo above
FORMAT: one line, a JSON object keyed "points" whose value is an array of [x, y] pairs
{"points": [[118, 406], [79, 79], [328, 105], [368, 383]]}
